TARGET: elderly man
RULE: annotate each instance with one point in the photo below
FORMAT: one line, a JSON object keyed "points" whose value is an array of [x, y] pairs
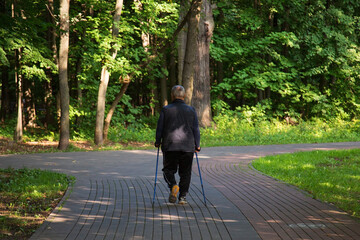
{"points": [[179, 136]]}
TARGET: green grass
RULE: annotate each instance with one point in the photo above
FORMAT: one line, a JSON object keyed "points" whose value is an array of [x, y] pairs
{"points": [[27, 198], [330, 176], [227, 131], [235, 132]]}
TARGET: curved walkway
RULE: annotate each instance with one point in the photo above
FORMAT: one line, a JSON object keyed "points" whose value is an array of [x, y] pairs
{"points": [[112, 197]]}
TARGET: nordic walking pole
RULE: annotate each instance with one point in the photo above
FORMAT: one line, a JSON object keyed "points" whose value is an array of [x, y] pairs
{"points": [[202, 186], [157, 163]]}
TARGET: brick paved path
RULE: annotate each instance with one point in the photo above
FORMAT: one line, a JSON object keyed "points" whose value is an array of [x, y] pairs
{"points": [[113, 192]]}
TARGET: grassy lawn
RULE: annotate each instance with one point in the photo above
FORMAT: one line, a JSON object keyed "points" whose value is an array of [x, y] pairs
{"points": [[228, 131], [236, 132], [330, 176], [27, 198]]}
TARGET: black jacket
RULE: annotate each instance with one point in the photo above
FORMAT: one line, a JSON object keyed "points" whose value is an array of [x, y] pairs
{"points": [[178, 128]]}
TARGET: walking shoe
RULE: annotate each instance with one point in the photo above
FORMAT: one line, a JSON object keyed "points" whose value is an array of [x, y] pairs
{"points": [[173, 194], [182, 200]]}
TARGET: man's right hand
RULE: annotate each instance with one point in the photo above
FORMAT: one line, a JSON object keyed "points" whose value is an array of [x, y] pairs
{"points": [[197, 149], [157, 145]]}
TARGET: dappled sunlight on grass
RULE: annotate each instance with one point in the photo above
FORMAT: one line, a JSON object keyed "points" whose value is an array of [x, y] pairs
{"points": [[27, 198], [307, 166], [330, 176], [231, 131], [326, 184], [356, 177]]}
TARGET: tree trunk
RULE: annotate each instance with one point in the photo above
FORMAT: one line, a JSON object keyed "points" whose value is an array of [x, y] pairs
{"points": [[286, 27], [58, 108], [182, 38], [63, 75], [79, 90], [100, 110], [164, 99], [4, 93], [79, 94], [29, 103], [260, 95], [4, 79], [2, 6], [172, 69], [201, 93], [105, 75], [52, 44], [191, 52], [48, 103], [52, 31], [144, 64], [145, 40], [113, 107], [18, 79]]}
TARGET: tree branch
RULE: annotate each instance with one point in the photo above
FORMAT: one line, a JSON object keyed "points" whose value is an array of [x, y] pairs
{"points": [[193, 7]]}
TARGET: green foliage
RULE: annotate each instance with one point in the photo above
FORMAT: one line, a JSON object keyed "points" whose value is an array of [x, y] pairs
{"points": [[92, 51], [330, 176], [25, 32], [269, 60], [132, 133], [304, 60]]}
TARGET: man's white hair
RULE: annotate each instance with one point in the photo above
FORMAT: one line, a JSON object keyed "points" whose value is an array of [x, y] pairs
{"points": [[178, 91]]}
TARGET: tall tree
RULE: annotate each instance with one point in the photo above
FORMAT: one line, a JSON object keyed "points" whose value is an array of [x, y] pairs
{"points": [[4, 93], [51, 35], [4, 78], [190, 53], [163, 89], [104, 81], [18, 79], [118, 97], [201, 93], [29, 102], [63, 74], [126, 80], [182, 40]]}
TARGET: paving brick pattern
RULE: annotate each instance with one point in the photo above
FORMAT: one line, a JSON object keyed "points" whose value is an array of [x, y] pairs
{"points": [[276, 210], [122, 209]]}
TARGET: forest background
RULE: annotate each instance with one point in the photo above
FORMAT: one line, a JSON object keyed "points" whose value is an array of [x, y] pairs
{"points": [[256, 71]]}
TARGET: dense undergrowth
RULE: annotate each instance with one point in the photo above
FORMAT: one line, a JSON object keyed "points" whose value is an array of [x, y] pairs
{"points": [[227, 130]]}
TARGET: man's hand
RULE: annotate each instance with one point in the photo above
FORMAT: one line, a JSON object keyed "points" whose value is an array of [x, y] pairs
{"points": [[197, 149], [157, 145]]}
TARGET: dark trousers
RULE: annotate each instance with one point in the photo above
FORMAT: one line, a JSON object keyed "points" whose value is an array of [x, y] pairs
{"points": [[173, 161]]}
